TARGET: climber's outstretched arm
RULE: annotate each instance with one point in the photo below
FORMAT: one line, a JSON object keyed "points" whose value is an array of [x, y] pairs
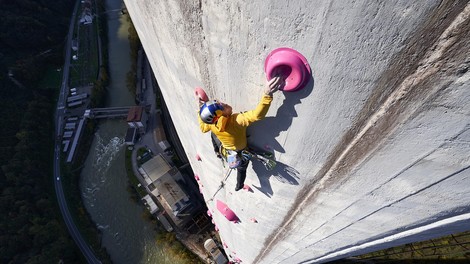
{"points": [[246, 118]]}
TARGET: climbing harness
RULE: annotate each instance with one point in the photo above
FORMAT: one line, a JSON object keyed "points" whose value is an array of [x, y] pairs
{"points": [[264, 158]]}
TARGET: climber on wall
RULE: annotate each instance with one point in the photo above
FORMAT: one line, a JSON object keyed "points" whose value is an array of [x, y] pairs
{"points": [[230, 128]]}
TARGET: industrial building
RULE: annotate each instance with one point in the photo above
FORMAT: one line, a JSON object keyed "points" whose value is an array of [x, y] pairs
{"points": [[161, 180], [137, 118]]}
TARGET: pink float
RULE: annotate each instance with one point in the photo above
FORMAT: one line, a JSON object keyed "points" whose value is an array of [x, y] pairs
{"points": [[246, 187], [196, 177], [290, 65], [201, 94], [226, 211]]}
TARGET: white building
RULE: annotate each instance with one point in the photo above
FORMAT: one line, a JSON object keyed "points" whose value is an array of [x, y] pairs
{"points": [[130, 137], [150, 204]]}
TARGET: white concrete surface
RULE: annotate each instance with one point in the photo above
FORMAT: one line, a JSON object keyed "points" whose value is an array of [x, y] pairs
{"points": [[374, 152]]}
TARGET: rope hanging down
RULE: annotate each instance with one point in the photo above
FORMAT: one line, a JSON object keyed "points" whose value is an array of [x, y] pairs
{"points": [[222, 184]]}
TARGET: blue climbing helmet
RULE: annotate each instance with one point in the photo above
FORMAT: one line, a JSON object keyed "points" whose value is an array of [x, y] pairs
{"points": [[210, 112]]}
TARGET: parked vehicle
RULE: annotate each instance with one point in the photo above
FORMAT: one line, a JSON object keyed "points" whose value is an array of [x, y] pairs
{"points": [[215, 252]]}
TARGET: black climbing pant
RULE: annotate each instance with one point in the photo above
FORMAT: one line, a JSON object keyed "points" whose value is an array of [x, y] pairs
{"points": [[241, 174]]}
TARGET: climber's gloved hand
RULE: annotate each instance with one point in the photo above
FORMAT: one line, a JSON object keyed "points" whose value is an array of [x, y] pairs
{"points": [[200, 102], [274, 85], [201, 97]]}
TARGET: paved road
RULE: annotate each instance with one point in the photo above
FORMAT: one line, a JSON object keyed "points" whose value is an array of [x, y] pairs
{"points": [[73, 230]]}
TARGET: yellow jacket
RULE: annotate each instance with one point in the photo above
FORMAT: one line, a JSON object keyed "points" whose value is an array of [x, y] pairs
{"points": [[231, 131]]}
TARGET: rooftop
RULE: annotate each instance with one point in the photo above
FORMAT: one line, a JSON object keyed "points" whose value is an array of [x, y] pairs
{"points": [[135, 114]]}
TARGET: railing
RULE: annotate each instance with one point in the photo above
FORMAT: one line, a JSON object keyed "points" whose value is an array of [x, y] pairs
{"points": [[111, 112], [452, 247]]}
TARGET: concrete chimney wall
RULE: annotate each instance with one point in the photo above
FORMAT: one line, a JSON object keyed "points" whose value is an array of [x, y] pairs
{"points": [[374, 152]]}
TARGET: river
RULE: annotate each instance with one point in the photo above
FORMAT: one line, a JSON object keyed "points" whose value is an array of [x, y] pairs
{"points": [[127, 237]]}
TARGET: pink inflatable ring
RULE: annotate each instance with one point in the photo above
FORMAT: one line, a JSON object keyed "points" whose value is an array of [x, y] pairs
{"points": [[290, 65]]}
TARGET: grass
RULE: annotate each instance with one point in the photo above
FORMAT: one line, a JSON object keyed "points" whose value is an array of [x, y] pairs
{"points": [[51, 79], [141, 151], [143, 155], [131, 176], [175, 248], [85, 69]]}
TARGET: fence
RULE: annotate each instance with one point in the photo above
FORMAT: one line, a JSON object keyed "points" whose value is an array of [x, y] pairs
{"points": [[454, 248]]}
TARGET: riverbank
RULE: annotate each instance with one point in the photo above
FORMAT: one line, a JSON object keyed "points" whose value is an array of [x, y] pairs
{"points": [[101, 151], [142, 84], [124, 229], [149, 143]]}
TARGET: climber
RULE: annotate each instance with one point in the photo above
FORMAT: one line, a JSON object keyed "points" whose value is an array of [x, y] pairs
{"points": [[230, 129]]}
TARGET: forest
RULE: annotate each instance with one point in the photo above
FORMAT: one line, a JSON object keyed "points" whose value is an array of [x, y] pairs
{"points": [[32, 39]]}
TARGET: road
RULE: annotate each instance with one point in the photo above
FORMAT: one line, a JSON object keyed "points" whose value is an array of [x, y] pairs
{"points": [[60, 114]]}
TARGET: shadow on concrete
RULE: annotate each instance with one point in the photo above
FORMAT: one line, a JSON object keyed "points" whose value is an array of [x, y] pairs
{"points": [[266, 131], [282, 172]]}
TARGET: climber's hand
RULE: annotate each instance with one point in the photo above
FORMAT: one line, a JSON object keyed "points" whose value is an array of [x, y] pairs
{"points": [[274, 85], [200, 103], [201, 97]]}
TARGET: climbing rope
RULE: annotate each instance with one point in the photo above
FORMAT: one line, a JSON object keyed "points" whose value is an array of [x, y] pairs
{"points": [[222, 184]]}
